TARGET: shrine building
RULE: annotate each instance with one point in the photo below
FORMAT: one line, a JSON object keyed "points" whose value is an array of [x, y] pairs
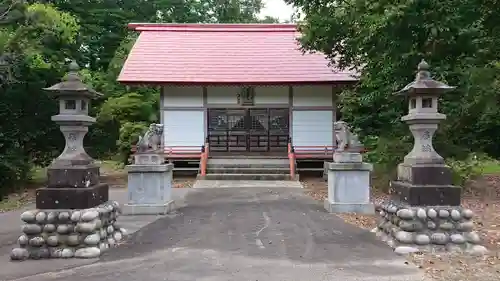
{"points": [[237, 90]]}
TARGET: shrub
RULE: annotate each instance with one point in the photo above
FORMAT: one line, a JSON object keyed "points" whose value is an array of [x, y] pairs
{"points": [[129, 135]]}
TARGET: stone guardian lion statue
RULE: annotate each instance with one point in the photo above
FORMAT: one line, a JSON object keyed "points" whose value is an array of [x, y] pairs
{"points": [[346, 140], [151, 140]]}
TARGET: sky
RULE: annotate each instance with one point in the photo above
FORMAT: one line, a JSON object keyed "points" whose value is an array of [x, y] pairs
{"points": [[277, 9]]}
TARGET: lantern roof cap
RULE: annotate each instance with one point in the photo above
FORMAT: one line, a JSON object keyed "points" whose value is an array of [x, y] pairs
{"points": [[424, 84], [72, 84]]}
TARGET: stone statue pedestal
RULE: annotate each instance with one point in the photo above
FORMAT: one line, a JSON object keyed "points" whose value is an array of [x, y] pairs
{"points": [[146, 158], [347, 157], [149, 187], [349, 184]]}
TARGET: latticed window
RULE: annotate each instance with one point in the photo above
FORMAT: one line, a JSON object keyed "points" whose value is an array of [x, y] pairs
{"points": [[236, 122]]}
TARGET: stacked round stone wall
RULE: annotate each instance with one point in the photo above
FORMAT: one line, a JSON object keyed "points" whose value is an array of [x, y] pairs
{"points": [[413, 229], [69, 233]]}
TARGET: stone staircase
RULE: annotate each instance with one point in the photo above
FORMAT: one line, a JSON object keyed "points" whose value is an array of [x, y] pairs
{"points": [[246, 169]]}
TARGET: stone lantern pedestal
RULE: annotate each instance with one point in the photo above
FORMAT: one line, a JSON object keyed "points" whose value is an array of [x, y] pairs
{"points": [[425, 213], [73, 217]]}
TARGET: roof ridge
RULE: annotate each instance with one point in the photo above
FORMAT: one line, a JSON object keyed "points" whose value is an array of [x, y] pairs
{"points": [[247, 27]]}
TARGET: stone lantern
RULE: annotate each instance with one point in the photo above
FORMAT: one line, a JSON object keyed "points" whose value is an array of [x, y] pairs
{"points": [[73, 177], [73, 217], [425, 213], [423, 177]]}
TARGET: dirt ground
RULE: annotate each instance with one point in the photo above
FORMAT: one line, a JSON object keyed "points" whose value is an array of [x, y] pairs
{"points": [[449, 267]]}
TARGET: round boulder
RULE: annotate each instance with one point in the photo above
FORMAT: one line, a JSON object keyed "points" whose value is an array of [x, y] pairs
{"points": [[89, 215], [41, 217], [467, 214], [19, 254], [421, 214], [431, 213], [88, 253], [455, 215], [443, 214], [75, 216], [92, 239], [28, 216], [67, 253], [64, 216], [439, 238], [31, 229], [404, 237], [457, 238], [422, 239], [23, 240], [405, 214]]}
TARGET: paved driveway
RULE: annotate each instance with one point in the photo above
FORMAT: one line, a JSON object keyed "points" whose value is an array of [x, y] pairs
{"points": [[276, 234]]}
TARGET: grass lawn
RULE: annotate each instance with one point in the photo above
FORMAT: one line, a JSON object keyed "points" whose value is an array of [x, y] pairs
{"points": [[490, 168]]}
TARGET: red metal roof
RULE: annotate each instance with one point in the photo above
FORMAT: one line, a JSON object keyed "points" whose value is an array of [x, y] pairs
{"points": [[224, 53]]}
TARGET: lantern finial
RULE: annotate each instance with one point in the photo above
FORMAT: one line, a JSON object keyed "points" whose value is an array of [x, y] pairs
{"points": [[423, 71], [423, 66]]}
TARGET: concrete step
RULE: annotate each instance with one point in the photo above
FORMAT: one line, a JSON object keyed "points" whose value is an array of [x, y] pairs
{"points": [[244, 177], [247, 161], [248, 170], [245, 184], [262, 165]]}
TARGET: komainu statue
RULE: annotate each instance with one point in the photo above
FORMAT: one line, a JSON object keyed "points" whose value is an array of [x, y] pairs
{"points": [[346, 140], [151, 141]]}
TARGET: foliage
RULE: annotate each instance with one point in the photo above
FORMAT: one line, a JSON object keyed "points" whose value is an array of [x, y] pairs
{"points": [[129, 134], [470, 168], [34, 45], [128, 107], [465, 170]]}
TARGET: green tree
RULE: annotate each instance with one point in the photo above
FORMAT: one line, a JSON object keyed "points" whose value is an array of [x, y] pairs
{"points": [[35, 40], [385, 40], [269, 19]]}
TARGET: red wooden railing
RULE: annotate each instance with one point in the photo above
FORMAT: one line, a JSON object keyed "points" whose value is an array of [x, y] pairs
{"points": [[315, 151], [185, 151], [204, 158], [180, 152], [291, 159]]}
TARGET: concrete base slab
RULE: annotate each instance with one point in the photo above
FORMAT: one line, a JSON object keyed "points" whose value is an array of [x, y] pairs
{"points": [[147, 209], [245, 184], [367, 208]]}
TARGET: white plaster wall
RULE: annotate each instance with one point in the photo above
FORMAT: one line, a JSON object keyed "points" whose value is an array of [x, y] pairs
{"points": [[184, 128], [182, 96], [271, 95], [312, 128], [223, 94], [312, 95]]}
